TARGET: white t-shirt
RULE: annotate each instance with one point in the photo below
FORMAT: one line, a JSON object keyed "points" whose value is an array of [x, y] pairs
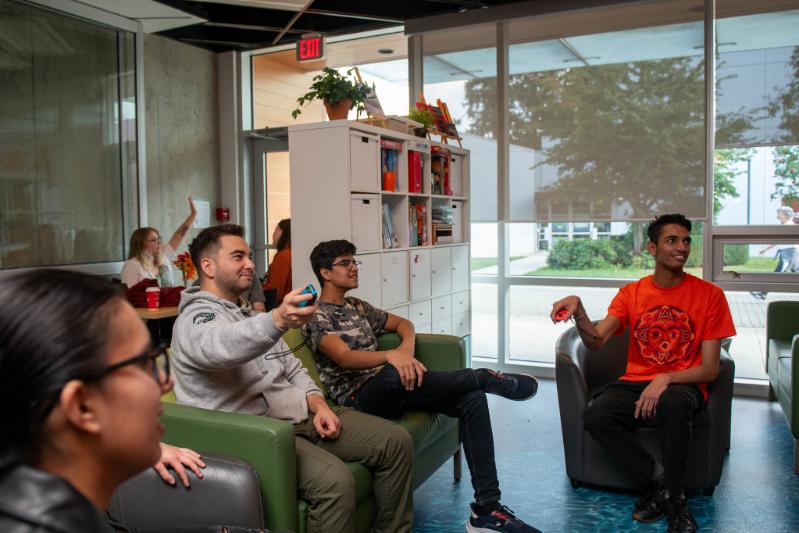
{"points": [[133, 271]]}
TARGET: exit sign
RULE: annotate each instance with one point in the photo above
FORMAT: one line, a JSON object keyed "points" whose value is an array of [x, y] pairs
{"points": [[311, 47]]}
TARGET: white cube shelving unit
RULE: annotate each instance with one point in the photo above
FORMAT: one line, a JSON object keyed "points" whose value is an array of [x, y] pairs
{"points": [[336, 193]]}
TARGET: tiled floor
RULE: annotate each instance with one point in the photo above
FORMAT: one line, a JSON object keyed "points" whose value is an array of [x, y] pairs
{"points": [[758, 490]]}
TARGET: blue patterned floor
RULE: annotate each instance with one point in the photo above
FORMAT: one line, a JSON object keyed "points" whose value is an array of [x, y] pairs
{"points": [[758, 490]]}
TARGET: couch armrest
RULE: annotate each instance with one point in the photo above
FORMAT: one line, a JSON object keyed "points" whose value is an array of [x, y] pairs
{"points": [[265, 443], [795, 386], [436, 352], [572, 400]]}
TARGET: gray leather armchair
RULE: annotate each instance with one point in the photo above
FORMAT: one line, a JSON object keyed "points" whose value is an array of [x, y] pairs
{"points": [[581, 372], [228, 495]]}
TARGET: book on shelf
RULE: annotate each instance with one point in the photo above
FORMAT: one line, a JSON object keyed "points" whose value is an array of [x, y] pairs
{"points": [[417, 217], [389, 235]]}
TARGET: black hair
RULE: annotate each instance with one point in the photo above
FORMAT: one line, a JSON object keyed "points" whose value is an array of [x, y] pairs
{"points": [[54, 328], [324, 253], [207, 242], [656, 226], [285, 234]]}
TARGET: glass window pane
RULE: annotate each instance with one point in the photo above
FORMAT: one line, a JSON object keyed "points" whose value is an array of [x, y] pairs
{"points": [[757, 74], [532, 333], [749, 315], [485, 322], [606, 126], [484, 249], [618, 252], [759, 258], [751, 184], [63, 129], [466, 81]]}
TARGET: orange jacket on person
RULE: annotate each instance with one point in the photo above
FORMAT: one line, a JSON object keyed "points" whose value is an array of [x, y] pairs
{"points": [[279, 275]]}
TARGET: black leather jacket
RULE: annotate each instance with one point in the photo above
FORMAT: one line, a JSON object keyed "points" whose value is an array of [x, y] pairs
{"points": [[32, 501]]}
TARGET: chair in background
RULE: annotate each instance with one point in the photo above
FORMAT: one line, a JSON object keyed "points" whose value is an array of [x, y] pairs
{"points": [[580, 372], [782, 345], [228, 495]]}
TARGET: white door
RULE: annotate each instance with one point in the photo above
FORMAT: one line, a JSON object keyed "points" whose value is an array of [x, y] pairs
{"points": [[394, 280], [460, 268], [368, 279], [420, 274], [441, 275]]}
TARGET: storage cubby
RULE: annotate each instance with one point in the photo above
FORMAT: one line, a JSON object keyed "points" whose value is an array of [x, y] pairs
{"points": [[340, 194]]}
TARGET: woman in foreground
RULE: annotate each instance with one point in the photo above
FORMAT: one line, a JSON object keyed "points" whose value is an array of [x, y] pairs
{"points": [[80, 387]]}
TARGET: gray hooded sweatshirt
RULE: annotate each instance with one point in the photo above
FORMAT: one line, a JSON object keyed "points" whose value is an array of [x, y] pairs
{"points": [[227, 358]]}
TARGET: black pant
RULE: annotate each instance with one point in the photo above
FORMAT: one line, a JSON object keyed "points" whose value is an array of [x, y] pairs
{"points": [[456, 394], [610, 421]]}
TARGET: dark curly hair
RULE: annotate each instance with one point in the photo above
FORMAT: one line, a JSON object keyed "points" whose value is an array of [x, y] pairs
{"points": [[656, 226]]}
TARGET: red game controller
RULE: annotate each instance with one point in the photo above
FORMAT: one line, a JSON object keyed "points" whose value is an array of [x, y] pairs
{"points": [[561, 315]]}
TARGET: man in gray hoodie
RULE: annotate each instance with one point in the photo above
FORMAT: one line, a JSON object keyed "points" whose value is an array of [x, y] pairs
{"points": [[228, 358]]}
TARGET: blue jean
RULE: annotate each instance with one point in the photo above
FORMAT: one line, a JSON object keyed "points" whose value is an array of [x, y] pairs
{"points": [[457, 394]]}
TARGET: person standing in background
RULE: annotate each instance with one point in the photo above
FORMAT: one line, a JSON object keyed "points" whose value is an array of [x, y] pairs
{"points": [[278, 275]]}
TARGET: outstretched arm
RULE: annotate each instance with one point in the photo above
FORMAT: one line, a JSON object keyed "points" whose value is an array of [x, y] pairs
{"points": [[593, 336], [184, 228]]}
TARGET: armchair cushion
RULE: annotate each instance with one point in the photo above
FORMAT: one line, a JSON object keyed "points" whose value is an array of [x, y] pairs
{"points": [[227, 495]]}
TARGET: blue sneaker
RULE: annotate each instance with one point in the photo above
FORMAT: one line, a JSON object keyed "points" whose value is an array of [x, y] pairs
{"points": [[511, 386], [502, 519]]}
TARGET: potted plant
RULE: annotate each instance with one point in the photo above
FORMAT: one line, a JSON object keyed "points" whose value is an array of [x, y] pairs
{"points": [[422, 116], [337, 92]]}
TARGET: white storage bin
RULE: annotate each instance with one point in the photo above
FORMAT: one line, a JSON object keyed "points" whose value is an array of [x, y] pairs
{"points": [[364, 162], [420, 313], [368, 279], [365, 221]]}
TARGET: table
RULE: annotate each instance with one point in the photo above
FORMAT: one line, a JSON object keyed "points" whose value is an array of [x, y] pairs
{"points": [[159, 322], [156, 314]]}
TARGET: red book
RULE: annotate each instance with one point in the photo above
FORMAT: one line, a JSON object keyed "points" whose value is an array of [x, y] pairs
{"points": [[414, 171]]}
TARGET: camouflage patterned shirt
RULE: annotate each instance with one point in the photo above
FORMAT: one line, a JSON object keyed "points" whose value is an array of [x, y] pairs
{"points": [[357, 323]]}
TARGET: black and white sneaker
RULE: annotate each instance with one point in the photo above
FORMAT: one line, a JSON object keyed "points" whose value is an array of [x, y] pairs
{"points": [[511, 386], [502, 519]]}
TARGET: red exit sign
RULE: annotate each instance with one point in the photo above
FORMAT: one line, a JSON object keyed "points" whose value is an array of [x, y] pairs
{"points": [[311, 47]]}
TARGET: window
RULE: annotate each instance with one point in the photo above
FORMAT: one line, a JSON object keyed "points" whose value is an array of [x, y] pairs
{"points": [[466, 80], [67, 138]]}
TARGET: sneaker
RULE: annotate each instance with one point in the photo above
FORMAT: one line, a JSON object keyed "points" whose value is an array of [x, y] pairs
{"points": [[511, 386], [680, 518], [650, 508], [502, 519]]}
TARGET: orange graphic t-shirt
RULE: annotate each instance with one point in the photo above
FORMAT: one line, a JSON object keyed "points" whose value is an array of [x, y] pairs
{"points": [[668, 325]]}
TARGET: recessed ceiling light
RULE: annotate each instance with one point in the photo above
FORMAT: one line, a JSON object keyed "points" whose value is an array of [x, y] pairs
{"points": [[385, 51]]}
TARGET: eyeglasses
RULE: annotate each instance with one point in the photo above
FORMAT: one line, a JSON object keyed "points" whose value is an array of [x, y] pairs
{"points": [[348, 263], [158, 240], [155, 358]]}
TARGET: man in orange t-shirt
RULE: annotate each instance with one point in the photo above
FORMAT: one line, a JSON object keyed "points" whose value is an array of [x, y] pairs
{"points": [[677, 322]]}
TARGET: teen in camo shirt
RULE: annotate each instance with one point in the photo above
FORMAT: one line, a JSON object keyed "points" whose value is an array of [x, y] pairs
{"points": [[342, 335]]}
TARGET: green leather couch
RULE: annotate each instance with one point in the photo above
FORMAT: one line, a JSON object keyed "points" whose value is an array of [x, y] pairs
{"points": [[268, 444], [782, 336]]}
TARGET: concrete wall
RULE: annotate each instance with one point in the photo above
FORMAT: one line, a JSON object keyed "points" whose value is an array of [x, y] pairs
{"points": [[182, 131]]}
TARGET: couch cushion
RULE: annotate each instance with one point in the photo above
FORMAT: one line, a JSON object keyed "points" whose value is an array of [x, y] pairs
{"points": [[786, 376], [425, 428], [782, 347], [363, 481]]}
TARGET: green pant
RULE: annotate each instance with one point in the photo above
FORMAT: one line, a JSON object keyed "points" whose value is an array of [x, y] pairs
{"points": [[328, 486]]}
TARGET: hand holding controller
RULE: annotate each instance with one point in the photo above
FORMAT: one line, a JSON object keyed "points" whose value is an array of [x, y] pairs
{"points": [[561, 315], [309, 289]]}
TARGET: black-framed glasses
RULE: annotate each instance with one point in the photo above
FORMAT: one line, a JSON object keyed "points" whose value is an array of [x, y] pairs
{"points": [[348, 263], [156, 358]]}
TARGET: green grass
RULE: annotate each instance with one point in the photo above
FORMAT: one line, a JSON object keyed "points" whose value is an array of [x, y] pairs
{"points": [[755, 264], [484, 262], [631, 273]]}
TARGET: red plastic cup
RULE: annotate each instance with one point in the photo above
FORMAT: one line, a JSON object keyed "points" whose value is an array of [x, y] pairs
{"points": [[153, 297]]}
